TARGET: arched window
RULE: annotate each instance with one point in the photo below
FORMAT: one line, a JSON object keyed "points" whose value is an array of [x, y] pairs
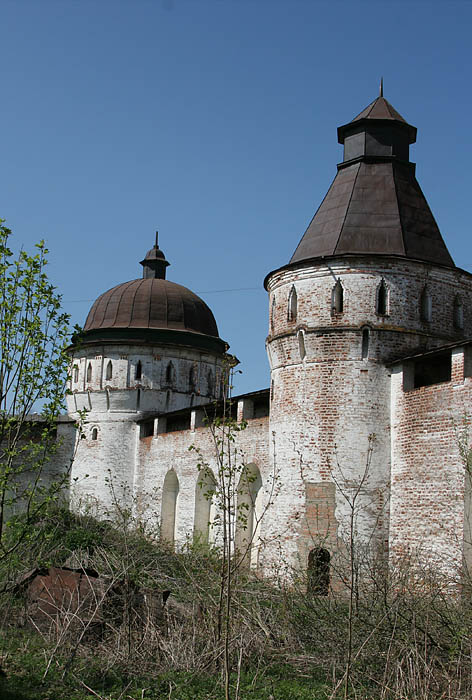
{"points": [[365, 343], [170, 492], [192, 378], [301, 345], [337, 298], [425, 305], [210, 383], [458, 312], [138, 373], [319, 571], [204, 529], [89, 372], [109, 371], [76, 373], [382, 299], [292, 305], [248, 514], [170, 374], [94, 433]]}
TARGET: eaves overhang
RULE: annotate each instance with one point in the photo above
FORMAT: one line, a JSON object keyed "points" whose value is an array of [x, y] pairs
{"points": [[148, 336], [324, 259]]}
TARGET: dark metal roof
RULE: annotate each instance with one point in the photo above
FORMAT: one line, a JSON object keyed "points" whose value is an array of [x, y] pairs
{"points": [[380, 108], [151, 303], [374, 208], [375, 204]]}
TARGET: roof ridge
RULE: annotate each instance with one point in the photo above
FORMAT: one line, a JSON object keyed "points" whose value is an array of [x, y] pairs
{"points": [[347, 207]]}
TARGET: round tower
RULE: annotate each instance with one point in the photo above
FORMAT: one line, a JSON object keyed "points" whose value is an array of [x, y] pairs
{"points": [[149, 346], [370, 281]]}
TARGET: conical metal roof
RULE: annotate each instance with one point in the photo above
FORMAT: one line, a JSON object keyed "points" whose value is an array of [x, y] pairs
{"points": [[375, 204]]}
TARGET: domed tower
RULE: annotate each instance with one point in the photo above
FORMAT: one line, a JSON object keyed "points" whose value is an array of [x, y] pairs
{"points": [[149, 347], [370, 281]]}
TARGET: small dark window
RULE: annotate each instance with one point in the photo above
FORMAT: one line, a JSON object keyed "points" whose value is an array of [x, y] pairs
{"points": [[272, 313], [179, 422], [292, 305], [94, 433], [432, 369], [109, 372], [458, 313], [382, 299], [319, 571], [365, 343], [146, 429], [337, 298], [89, 372], [139, 370], [261, 406], [76, 373], [425, 305]]}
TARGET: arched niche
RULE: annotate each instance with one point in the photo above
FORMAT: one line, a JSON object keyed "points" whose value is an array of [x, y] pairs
{"points": [[426, 305], [170, 493], [337, 298], [248, 514], [382, 299], [210, 383], [292, 305], [170, 375], [205, 508], [273, 308], [458, 312]]}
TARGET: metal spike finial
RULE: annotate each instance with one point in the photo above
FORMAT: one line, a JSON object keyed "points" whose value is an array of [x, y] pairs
{"points": [[157, 238], [381, 91]]}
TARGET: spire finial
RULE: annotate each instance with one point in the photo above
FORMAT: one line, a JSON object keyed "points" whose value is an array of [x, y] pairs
{"points": [[157, 238], [381, 91]]}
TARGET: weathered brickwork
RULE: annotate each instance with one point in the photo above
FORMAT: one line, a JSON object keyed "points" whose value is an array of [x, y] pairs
{"points": [[343, 419], [428, 515], [371, 374], [331, 394]]}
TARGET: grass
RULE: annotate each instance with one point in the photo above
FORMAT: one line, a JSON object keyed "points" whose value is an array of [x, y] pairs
{"points": [[25, 658], [410, 641]]}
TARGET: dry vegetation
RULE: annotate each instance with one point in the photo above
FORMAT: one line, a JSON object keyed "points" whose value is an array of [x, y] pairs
{"points": [[407, 643]]}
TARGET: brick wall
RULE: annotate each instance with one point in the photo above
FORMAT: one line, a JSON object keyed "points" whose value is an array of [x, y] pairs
{"points": [[428, 474]]}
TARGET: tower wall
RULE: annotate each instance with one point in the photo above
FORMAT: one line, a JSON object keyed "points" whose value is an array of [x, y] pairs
{"points": [[330, 386], [172, 378]]}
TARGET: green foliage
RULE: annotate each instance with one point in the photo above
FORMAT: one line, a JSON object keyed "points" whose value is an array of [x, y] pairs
{"points": [[24, 657], [33, 371]]}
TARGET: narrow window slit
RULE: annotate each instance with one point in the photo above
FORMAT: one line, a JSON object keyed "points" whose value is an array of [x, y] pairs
{"points": [[337, 298]]}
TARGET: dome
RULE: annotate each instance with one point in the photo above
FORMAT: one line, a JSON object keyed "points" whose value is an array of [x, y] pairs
{"points": [[152, 309], [151, 304]]}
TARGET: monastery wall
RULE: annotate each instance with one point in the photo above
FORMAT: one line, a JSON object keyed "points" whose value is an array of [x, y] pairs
{"points": [[161, 453], [430, 508]]}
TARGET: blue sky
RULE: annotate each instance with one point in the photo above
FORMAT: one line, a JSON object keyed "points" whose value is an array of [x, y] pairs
{"points": [[215, 122]]}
